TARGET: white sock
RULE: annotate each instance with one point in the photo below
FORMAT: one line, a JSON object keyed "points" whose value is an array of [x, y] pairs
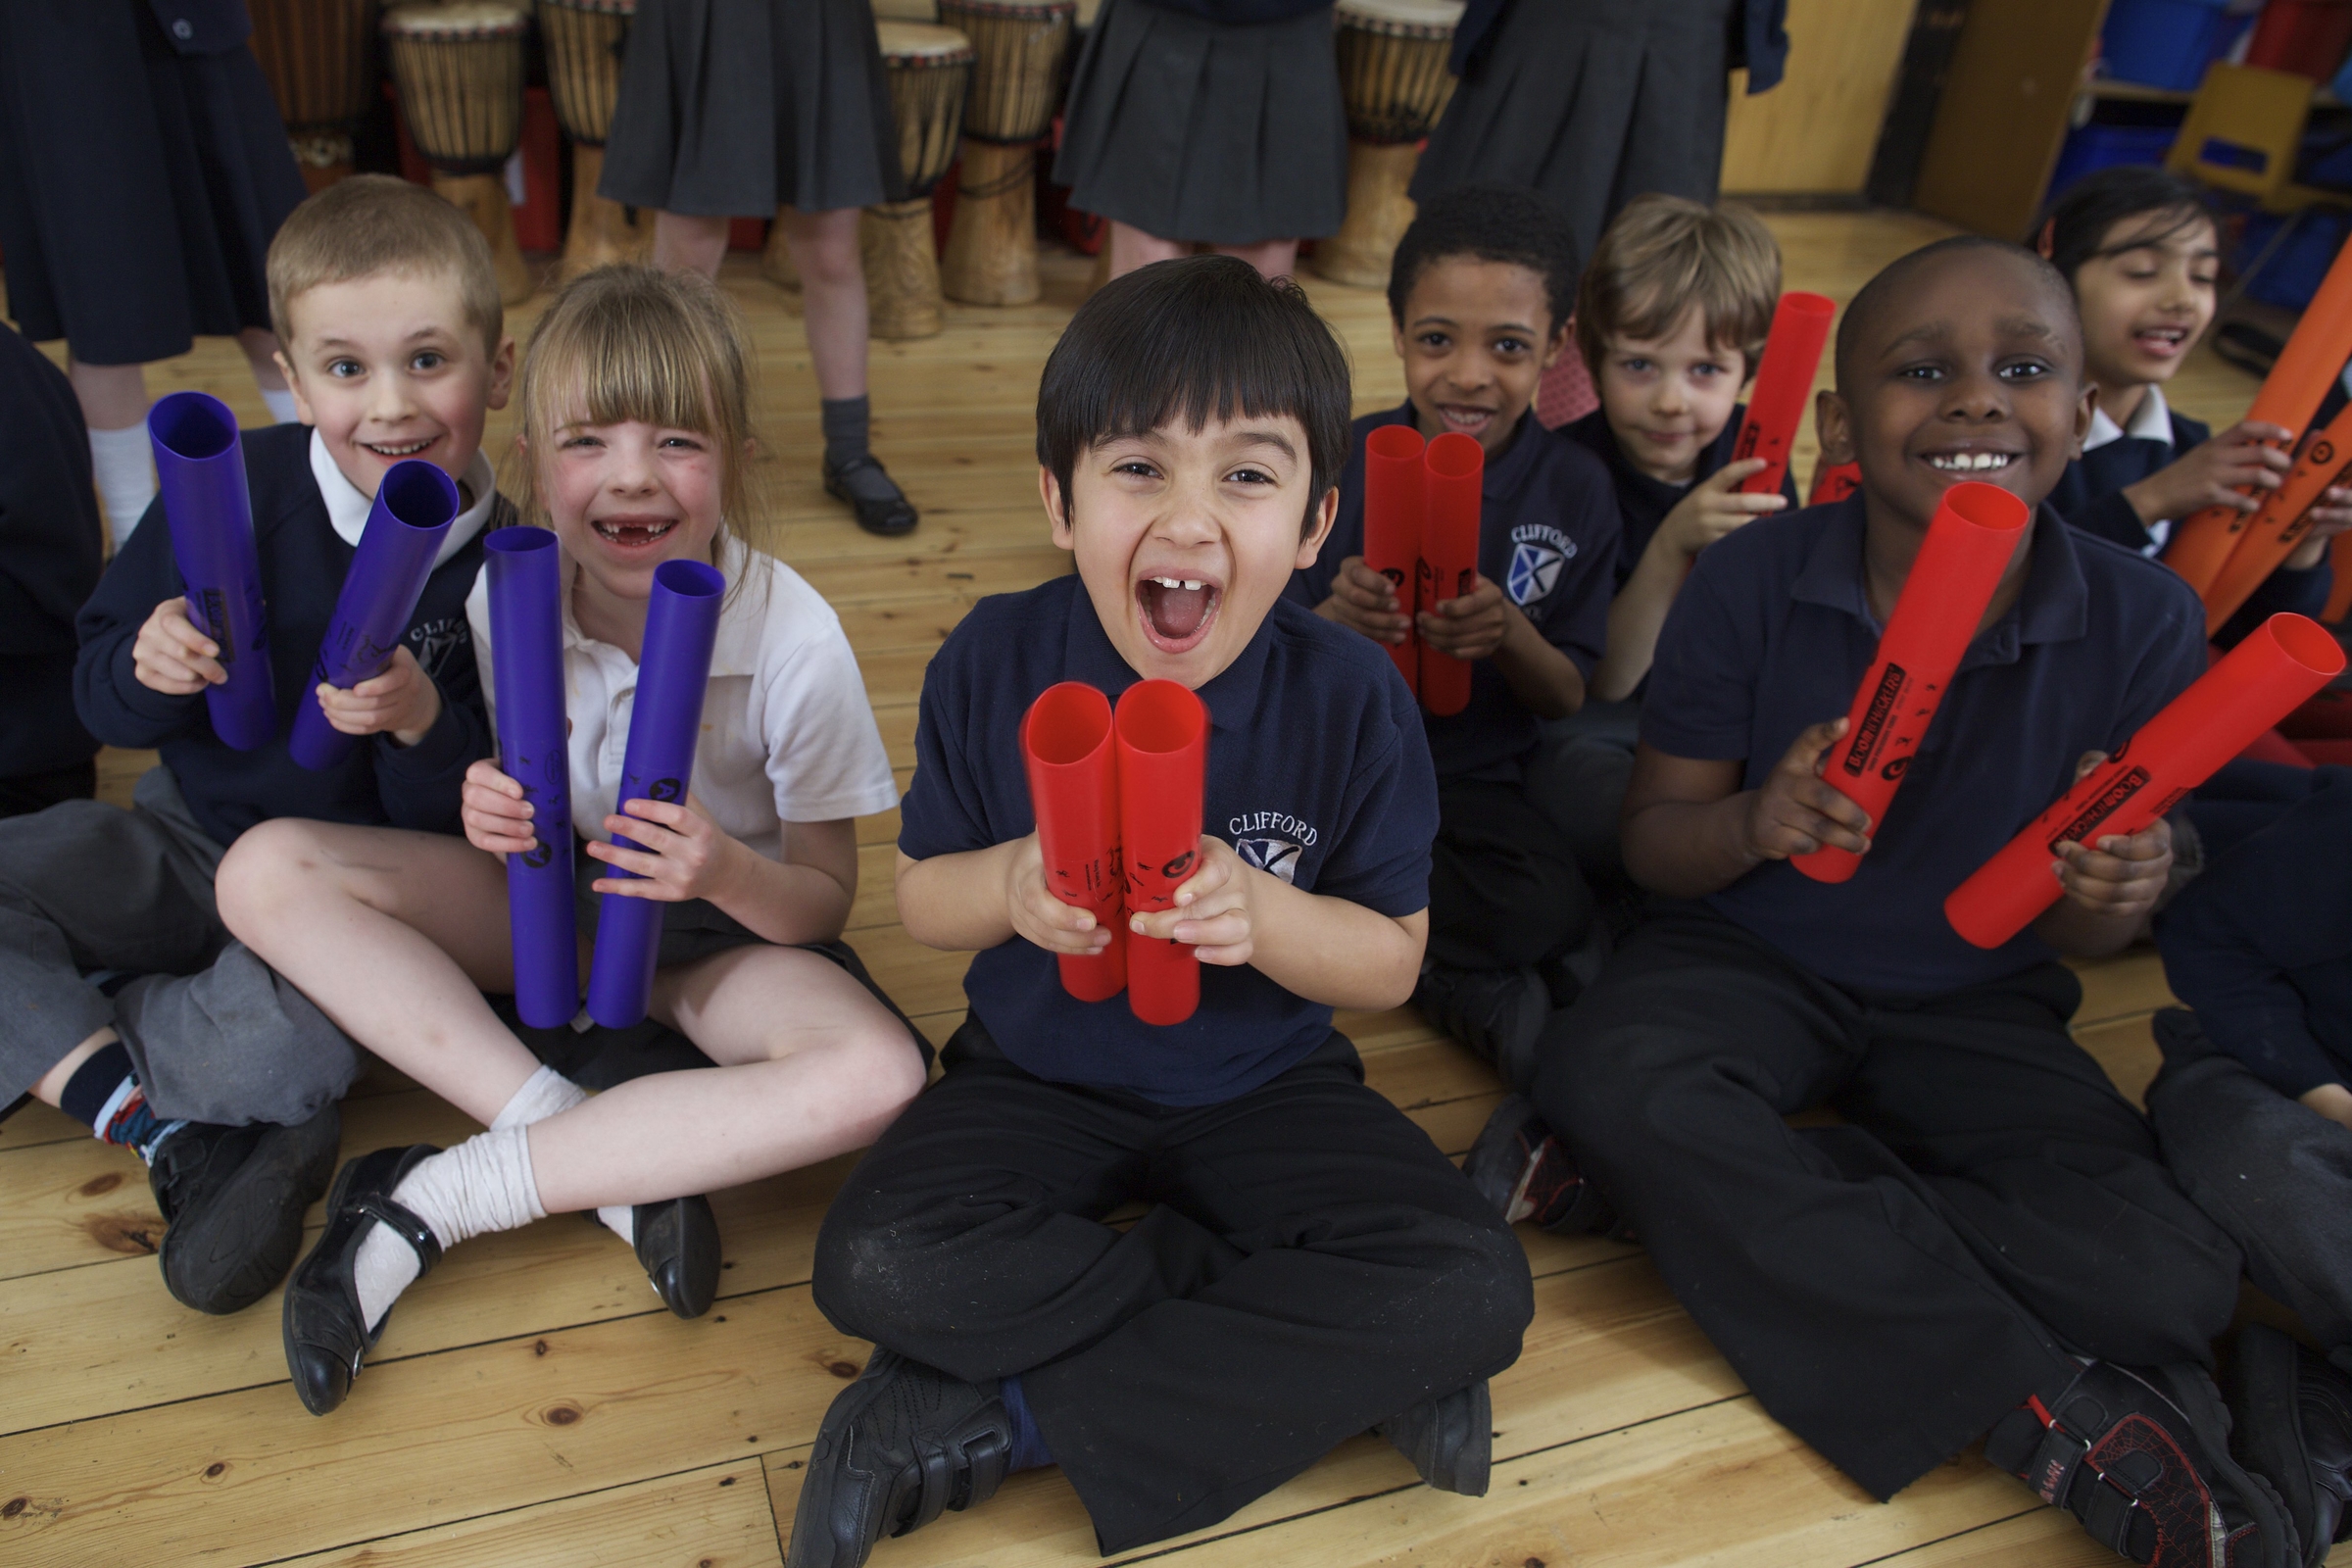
{"points": [[548, 1092], [482, 1185], [125, 469], [281, 404]]}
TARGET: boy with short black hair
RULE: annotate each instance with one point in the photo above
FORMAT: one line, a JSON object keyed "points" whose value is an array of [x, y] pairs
{"points": [[186, 1048], [1313, 1266], [1987, 1245], [1478, 299]]}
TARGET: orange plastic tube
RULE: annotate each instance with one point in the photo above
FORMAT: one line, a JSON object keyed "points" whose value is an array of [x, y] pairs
{"points": [[1775, 409], [2259, 682], [1162, 739], [2340, 598], [2272, 534], [1455, 466], [2314, 357], [1074, 794], [1970, 542], [1393, 497], [1834, 481]]}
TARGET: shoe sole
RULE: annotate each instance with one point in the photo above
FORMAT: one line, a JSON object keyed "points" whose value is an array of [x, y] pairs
{"points": [[813, 1543], [1473, 1454], [213, 1262], [842, 494], [2209, 1418], [2268, 1434], [1495, 1166]]}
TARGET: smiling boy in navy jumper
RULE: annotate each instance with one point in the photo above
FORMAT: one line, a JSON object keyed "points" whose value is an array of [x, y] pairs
{"points": [[1989, 1241], [1479, 295], [1313, 1267], [219, 1074]]}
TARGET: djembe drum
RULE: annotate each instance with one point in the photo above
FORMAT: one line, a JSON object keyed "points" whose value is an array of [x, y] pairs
{"points": [[1020, 52], [459, 70], [582, 39], [315, 53], [1393, 78], [929, 70]]}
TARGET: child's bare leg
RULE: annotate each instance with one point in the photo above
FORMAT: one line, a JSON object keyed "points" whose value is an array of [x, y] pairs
{"points": [[685, 243], [1273, 258], [1131, 248]]}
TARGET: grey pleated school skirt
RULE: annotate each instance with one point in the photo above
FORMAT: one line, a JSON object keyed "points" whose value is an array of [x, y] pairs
{"points": [[735, 108], [1221, 134], [1592, 101]]}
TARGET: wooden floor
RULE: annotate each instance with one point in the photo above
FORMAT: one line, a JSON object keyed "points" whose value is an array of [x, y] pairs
{"points": [[531, 1403]]}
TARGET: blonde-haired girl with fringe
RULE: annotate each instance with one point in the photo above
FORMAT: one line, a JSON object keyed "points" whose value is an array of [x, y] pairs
{"points": [[634, 447]]}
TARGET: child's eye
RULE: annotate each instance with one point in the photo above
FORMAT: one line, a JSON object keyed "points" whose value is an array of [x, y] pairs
{"points": [[428, 359], [1250, 476], [1138, 467], [1435, 340], [581, 442], [1513, 346], [344, 369], [1920, 373], [684, 443], [2205, 279], [1707, 370], [1634, 363], [2023, 370]]}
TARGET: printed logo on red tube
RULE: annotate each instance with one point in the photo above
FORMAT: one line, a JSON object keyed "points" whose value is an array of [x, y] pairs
{"points": [[1873, 720], [1895, 770], [2100, 808]]}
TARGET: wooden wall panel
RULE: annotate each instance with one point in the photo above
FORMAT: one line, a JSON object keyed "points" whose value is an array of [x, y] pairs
{"points": [[1814, 133], [2004, 111]]}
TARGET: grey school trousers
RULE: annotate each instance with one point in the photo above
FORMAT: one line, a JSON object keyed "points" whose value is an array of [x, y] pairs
{"points": [[215, 1034]]}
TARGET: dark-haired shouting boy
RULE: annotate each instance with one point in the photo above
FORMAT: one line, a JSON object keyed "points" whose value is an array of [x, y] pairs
{"points": [[1310, 1266], [1989, 1243]]}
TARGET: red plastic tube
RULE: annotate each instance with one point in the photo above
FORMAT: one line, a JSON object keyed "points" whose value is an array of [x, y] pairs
{"points": [[1074, 794], [1969, 545], [1834, 481], [1393, 488], [1455, 468], [2259, 682], [2272, 534], [1162, 734], [2339, 599], [1775, 409], [2314, 356]]}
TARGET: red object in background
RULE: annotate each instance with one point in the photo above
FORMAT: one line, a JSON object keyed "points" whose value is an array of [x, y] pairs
{"points": [[1566, 393], [747, 233], [2309, 37], [2325, 717], [2256, 684], [2339, 599], [1456, 467], [1074, 794], [1969, 545], [1834, 481], [2272, 746], [1395, 487], [1162, 744], [1783, 389], [2329, 753], [539, 215]]}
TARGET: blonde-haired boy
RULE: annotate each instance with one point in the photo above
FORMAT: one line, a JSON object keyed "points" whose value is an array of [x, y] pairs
{"points": [[187, 1048]]}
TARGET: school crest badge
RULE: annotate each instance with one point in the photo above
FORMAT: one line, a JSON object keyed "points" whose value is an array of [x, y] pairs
{"points": [[1278, 855], [1535, 569]]}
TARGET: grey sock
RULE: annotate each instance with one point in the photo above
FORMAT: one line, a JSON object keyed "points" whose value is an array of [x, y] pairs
{"points": [[845, 422]]}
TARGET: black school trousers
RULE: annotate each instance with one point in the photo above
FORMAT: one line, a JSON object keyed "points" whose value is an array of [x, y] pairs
{"points": [[1505, 891], [1888, 1288], [1311, 1264]]}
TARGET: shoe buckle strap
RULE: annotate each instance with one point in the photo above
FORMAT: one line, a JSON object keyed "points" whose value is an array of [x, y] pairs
{"points": [[937, 1468], [403, 1222], [2061, 1462]]}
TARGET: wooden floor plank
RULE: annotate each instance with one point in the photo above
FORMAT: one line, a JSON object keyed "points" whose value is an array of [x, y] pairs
{"points": [[2126, 1048]]}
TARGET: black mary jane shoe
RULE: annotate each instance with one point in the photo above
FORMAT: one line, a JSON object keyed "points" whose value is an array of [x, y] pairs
{"points": [[326, 1334], [862, 483], [677, 1242]]}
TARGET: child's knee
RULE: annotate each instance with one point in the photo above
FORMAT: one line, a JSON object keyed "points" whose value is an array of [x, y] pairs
{"points": [[267, 859]]}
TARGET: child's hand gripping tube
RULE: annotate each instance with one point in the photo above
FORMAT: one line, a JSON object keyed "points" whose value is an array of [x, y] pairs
{"points": [[526, 632], [2314, 357], [199, 472], [1163, 741], [681, 624], [1455, 468], [2261, 681], [2281, 524], [414, 505], [1074, 794], [1967, 546], [1393, 500], [1783, 390]]}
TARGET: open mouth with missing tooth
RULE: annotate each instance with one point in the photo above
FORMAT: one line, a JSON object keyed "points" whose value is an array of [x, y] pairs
{"points": [[1177, 611], [633, 533]]}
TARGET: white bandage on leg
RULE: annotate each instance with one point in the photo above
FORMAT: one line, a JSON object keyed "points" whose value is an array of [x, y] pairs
{"points": [[123, 465], [544, 1093], [482, 1185]]}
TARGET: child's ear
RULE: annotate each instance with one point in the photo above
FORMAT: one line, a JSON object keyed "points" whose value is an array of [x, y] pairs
{"points": [[1834, 426], [1319, 521], [2082, 412], [1057, 511], [1396, 334], [2045, 243], [302, 405], [1556, 345], [501, 375]]}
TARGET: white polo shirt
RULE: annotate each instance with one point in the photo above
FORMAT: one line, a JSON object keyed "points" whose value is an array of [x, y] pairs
{"points": [[788, 735]]}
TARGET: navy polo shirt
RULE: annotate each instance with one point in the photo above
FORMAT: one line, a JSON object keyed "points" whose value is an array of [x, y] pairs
{"points": [[1317, 772], [1772, 633], [1643, 501], [1547, 534]]}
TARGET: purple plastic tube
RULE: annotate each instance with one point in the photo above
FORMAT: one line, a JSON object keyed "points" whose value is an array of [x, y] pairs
{"points": [[527, 636], [680, 626], [199, 472], [415, 506]]}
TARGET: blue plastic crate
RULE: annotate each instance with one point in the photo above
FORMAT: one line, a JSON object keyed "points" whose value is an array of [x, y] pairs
{"points": [[2166, 43], [2093, 147], [2292, 274]]}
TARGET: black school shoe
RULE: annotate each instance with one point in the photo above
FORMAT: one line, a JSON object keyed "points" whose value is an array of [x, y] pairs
{"points": [[1497, 1013], [1451, 1440], [2293, 1414], [678, 1241], [882, 507], [326, 1333], [2141, 1457], [1528, 1174], [232, 1200], [900, 1445]]}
